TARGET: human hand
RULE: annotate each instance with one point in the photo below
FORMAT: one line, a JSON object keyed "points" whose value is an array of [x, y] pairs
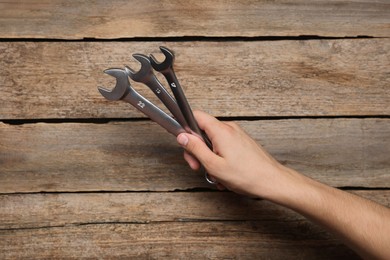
{"points": [[237, 162], [241, 165]]}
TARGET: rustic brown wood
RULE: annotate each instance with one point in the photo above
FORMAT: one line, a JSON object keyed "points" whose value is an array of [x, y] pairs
{"points": [[262, 78], [116, 19], [136, 224], [142, 156], [62, 209], [116, 189], [175, 240]]}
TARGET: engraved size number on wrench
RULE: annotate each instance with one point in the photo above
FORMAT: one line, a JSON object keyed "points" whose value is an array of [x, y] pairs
{"points": [[141, 104]]}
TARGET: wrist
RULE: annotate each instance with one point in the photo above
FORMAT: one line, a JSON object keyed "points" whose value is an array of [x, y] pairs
{"points": [[288, 187]]}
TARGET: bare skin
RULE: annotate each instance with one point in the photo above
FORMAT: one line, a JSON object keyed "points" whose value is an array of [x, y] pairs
{"points": [[239, 164]]}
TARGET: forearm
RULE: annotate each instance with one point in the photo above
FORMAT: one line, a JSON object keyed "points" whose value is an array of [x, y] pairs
{"points": [[361, 224], [241, 165]]}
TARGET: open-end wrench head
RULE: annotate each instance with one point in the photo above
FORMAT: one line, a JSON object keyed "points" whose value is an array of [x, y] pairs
{"points": [[122, 85], [145, 71], [167, 63]]}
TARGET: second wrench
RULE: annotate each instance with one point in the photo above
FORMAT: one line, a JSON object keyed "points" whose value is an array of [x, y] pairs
{"points": [[145, 75]]}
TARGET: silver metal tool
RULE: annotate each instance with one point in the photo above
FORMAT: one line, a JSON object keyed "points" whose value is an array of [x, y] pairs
{"points": [[179, 108], [124, 91], [145, 75], [166, 68]]}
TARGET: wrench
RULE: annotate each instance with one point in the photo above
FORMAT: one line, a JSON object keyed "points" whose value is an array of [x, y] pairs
{"points": [[124, 91], [166, 68], [145, 75]]}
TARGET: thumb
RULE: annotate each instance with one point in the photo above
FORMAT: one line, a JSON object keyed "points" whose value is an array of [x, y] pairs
{"points": [[195, 146]]}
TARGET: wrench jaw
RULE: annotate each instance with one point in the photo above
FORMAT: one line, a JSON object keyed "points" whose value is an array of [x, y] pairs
{"points": [[145, 71], [122, 86], [124, 91], [167, 63]]}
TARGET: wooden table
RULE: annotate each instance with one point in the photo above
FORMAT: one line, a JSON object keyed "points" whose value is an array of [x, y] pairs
{"points": [[82, 177]]}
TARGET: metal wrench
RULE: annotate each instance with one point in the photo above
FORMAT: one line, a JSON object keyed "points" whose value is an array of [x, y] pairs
{"points": [[145, 75], [166, 68], [124, 91]]}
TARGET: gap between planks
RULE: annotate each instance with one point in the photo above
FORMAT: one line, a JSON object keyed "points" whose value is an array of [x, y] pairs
{"points": [[195, 38], [189, 190], [143, 119]]}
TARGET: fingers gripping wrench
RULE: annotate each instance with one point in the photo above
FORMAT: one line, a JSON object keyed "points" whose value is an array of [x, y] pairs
{"points": [[180, 107]]}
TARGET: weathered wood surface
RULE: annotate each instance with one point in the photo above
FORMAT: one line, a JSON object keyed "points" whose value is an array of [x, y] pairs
{"points": [[173, 224], [261, 78], [118, 19], [63, 209], [126, 156], [176, 240], [116, 189]]}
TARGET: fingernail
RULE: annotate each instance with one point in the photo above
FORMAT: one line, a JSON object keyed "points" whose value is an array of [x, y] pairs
{"points": [[182, 139]]}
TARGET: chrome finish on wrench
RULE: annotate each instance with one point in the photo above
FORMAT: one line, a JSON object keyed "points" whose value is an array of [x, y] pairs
{"points": [[166, 68], [124, 91], [145, 75], [179, 108]]}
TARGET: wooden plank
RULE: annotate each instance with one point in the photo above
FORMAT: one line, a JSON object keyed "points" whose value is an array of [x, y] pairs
{"points": [[116, 19], [105, 222], [140, 155], [185, 219], [63, 209], [260, 78], [172, 240]]}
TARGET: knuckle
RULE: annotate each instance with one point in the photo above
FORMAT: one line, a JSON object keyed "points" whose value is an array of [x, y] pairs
{"points": [[231, 129], [233, 125]]}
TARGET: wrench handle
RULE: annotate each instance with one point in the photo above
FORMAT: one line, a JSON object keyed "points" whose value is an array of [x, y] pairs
{"points": [[153, 112], [185, 107], [160, 91], [183, 104]]}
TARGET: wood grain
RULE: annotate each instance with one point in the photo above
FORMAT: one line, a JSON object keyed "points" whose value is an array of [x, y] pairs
{"points": [[63, 209], [123, 156], [172, 240], [169, 224], [118, 19], [260, 78], [120, 188]]}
